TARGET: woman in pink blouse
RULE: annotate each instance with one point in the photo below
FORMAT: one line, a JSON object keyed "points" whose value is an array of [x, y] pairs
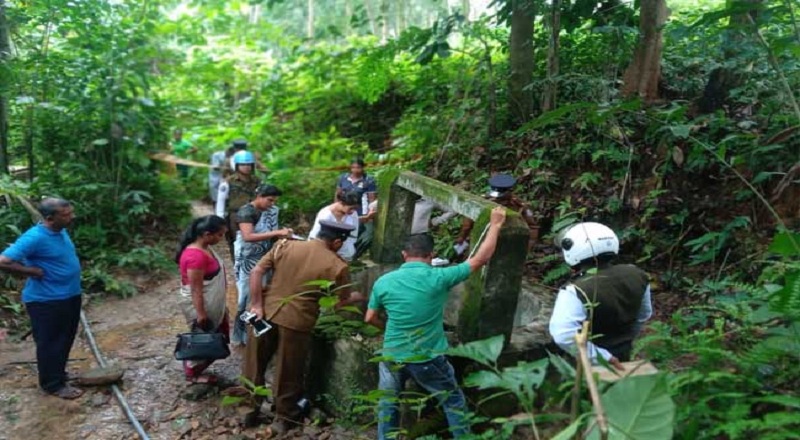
{"points": [[203, 286]]}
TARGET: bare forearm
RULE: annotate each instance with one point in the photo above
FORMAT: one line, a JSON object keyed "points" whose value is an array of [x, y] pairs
{"points": [[372, 318], [18, 269], [487, 248], [261, 236], [197, 301], [377, 322]]}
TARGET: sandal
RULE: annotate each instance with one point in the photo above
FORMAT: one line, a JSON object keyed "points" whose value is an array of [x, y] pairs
{"points": [[68, 392], [207, 379]]}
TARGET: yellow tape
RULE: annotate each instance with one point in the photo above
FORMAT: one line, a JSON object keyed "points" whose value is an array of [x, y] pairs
{"points": [[169, 158]]}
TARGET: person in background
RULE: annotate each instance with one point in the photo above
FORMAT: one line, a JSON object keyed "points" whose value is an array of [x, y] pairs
{"points": [[501, 193], [413, 299], [364, 240], [52, 294], [258, 229], [182, 149], [236, 191], [344, 211], [237, 146], [365, 186], [357, 181], [241, 145], [203, 286], [620, 294], [422, 222], [293, 307], [218, 164], [423, 210]]}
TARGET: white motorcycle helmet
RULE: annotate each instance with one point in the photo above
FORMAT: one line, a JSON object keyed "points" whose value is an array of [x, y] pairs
{"points": [[587, 240]]}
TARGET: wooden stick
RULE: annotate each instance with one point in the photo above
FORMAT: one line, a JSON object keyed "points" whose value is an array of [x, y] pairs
{"points": [[581, 339], [576, 393]]}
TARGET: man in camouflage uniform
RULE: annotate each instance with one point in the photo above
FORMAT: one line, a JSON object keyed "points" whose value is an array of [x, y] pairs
{"points": [[236, 191], [501, 193]]}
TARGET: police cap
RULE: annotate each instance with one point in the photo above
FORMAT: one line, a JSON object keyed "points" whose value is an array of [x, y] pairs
{"points": [[335, 230], [500, 184]]}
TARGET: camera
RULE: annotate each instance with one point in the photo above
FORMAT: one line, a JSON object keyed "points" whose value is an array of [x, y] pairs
{"points": [[260, 326]]}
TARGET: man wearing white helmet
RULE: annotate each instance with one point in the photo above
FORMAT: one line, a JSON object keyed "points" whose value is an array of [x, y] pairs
{"points": [[619, 293]]}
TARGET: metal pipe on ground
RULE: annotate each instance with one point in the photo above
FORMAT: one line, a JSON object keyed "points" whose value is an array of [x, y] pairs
{"points": [[114, 388]]}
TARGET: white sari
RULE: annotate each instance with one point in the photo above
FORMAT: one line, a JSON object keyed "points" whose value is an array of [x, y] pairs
{"points": [[214, 291]]}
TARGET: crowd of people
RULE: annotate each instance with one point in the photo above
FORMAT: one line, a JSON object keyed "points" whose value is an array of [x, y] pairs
{"points": [[273, 266]]}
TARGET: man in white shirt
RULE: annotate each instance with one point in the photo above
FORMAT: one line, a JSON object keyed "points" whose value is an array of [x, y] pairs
{"points": [[343, 211], [615, 298]]}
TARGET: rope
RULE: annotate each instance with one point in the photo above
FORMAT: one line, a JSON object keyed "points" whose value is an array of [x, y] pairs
{"points": [[114, 388], [480, 240]]}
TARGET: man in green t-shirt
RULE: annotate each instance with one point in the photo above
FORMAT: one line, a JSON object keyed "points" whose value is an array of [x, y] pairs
{"points": [[413, 298], [181, 148]]}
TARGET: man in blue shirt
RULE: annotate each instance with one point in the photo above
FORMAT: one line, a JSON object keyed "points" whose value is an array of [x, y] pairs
{"points": [[52, 293], [413, 298]]}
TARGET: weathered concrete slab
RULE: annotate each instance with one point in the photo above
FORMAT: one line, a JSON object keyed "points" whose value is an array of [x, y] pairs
{"points": [[490, 299], [101, 376]]}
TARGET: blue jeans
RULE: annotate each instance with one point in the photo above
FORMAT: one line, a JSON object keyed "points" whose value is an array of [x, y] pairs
{"points": [[436, 377], [239, 335]]}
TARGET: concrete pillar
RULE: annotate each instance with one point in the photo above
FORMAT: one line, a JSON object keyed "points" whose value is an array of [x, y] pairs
{"points": [[395, 215], [491, 296]]}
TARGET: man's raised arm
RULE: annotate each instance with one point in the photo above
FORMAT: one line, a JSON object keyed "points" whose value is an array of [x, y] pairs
{"points": [[486, 249]]}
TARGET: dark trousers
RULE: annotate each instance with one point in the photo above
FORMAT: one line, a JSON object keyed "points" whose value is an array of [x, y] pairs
{"points": [[54, 324], [290, 349]]}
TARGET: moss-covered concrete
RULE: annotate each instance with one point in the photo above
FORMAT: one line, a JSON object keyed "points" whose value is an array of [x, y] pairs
{"points": [[395, 214], [491, 296]]}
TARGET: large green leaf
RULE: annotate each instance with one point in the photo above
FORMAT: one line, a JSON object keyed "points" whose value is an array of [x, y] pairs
{"points": [[784, 243], [522, 379], [638, 408], [485, 351]]}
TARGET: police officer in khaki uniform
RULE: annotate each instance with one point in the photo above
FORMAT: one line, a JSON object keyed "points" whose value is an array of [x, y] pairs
{"points": [[236, 191], [501, 193], [292, 307]]}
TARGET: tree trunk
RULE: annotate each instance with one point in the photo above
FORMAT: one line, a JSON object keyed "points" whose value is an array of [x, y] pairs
{"points": [[521, 61], [310, 20], [5, 50], [643, 74], [384, 21], [491, 93], [400, 14], [721, 80], [348, 12], [551, 89], [465, 9], [371, 16]]}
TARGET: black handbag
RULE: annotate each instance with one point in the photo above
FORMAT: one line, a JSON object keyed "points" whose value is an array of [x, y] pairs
{"points": [[200, 346]]}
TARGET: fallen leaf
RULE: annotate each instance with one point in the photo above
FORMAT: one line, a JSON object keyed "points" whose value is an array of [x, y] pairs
{"points": [[677, 155]]}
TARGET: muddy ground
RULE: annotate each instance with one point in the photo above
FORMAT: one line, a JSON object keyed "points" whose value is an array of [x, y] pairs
{"points": [[138, 334]]}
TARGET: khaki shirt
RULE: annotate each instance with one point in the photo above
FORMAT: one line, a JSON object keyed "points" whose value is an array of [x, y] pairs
{"points": [[289, 302], [242, 190]]}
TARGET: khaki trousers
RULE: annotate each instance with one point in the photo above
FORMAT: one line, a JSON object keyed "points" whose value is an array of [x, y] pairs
{"points": [[290, 349]]}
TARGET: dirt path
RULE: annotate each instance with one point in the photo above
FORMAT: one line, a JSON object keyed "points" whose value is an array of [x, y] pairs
{"points": [[138, 334]]}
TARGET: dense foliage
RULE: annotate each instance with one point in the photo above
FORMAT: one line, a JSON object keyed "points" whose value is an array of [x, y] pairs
{"points": [[698, 181]]}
